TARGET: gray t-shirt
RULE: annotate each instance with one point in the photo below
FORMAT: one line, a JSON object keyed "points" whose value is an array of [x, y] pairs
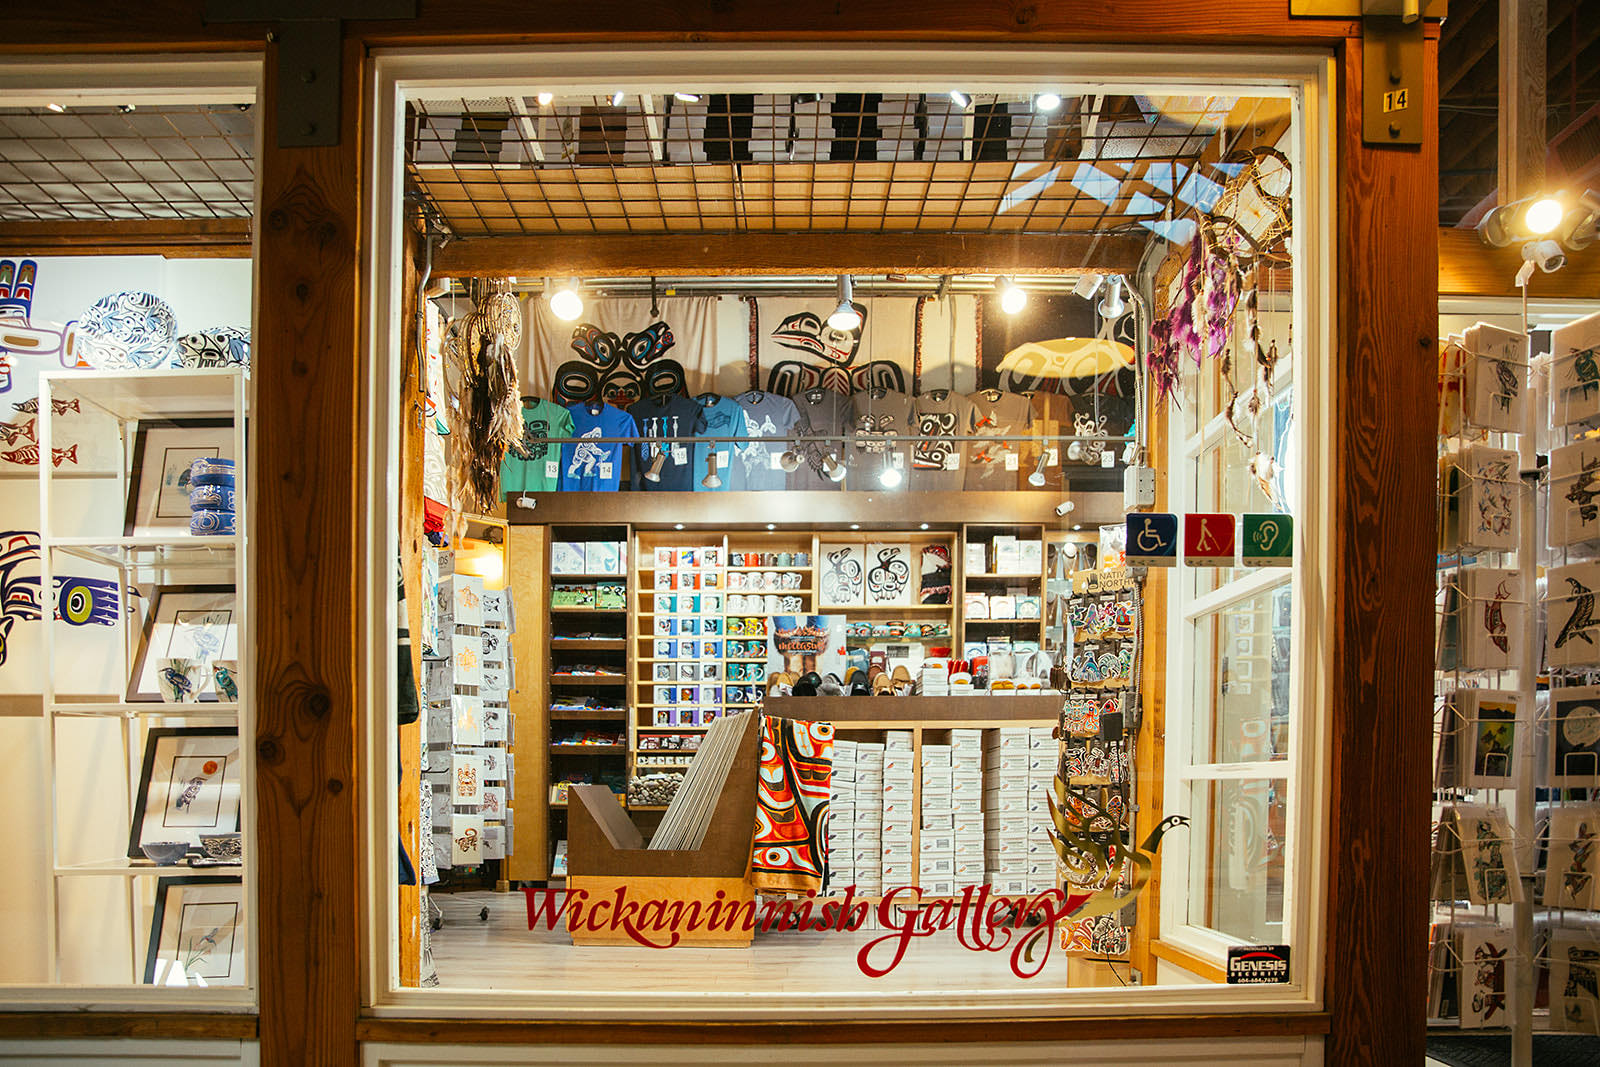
{"points": [[996, 414], [943, 419], [824, 413], [878, 413]]}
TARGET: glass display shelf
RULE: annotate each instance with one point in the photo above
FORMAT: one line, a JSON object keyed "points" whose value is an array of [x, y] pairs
{"points": [[123, 709], [154, 552], [153, 394]]}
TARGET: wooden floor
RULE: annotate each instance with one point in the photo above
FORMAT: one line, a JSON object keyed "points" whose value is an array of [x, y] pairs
{"points": [[502, 953]]}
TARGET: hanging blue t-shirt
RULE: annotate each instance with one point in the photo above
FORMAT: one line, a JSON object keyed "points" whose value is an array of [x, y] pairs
{"points": [[766, 415], [724, 418], [669, 422], [595, 467]]}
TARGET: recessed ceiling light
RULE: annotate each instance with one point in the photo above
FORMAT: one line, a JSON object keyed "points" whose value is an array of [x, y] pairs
{"points": [[855, 526], [677, 526], [772, 526], [924, 526]]}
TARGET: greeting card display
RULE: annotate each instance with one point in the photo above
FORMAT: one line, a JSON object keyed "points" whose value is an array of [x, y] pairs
{"points": [[1575, 372], [1575, 493], [1572, 871], [1490, 488], [1488, 733], [1495, 392], [1492, 618]]}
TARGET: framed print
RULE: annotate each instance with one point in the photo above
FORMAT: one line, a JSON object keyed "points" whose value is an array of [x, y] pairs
{"points": [[197, 934], [843, 573], [888, 574], [189, 786], [190, 621], [158, 484]]}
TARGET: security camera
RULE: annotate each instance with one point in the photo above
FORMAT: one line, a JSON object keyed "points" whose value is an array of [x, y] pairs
{"points": [[1546, 255], [1064, 507], [527, 502]]}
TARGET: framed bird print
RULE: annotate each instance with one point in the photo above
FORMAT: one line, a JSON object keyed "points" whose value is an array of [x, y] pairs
{"points": [[1488, 738], [188, 621], [1573, 638], [843, 575], [189, 786], [197, 933]]}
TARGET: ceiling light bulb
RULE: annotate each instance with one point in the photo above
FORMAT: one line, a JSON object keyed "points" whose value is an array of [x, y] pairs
{"points": [[687, 98], [961, 99], [1047, 102], [616, 99], [1013, 298], [677, 526], [545, 99], [890, 476], [855, 526], [1543, 215], [772, 526], [924, 526], [845, 317], [565, 303], [57, 108]]}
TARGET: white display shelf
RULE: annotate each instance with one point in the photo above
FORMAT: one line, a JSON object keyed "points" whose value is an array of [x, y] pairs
{"points": [[126, 868], [123, 709], [154, 552], [152, 394]]}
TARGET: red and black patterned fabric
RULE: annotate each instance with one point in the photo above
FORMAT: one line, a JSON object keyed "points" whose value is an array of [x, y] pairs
{"points": [[789, 852]]}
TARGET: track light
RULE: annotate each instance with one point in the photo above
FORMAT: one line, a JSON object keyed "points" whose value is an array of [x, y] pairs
{"points": [[1036, 479], [686, 98], [1047, 102], [833, 468], [677, 526], [845, 317], [855, 526], [711, 481], [57, 108], [616, 99], [1013, 298], [772, 526], [1113, 306], [1087, 285], [890, 477], [961, 99], [654, 473], [790, 460], [1065, 507], [545, 99], [565, 303], [526, 502], [1543, 215], [127, 109]]}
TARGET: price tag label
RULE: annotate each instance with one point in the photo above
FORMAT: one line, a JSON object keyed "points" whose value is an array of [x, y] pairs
{"points": [[1052, 457], [552, 468], [1012, 461], [775, 461], [1108, 459], [952, 462], [897, 460], [606, 469], [680, 455]]}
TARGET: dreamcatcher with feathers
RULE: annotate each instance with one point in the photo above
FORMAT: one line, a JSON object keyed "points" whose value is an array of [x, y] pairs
{"points": [[480, 354]]}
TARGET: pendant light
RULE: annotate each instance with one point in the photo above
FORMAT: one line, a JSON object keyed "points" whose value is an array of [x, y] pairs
{"points": [[565, 303], [654, 473], [845, 317], [711, 481]]}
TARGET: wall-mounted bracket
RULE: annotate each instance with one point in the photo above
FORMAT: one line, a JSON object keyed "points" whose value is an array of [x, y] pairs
{"points": [[308, 36], [1392, 108]]}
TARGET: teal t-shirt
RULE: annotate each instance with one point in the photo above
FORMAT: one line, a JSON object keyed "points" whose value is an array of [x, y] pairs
{"points": [[532, 466]]}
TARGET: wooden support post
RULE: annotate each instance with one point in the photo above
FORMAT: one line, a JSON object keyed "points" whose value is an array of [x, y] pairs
{"points": [[1522, 97], [528, 581], [1382, 596], [309, 423], [413, 837]]}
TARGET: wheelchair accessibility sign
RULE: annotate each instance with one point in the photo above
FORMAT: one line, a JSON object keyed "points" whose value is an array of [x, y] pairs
{"points": [[1152, 539]]}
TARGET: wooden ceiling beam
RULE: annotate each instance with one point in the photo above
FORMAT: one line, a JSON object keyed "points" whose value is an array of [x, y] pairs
{"points": [[641, 255], [174, 238]]}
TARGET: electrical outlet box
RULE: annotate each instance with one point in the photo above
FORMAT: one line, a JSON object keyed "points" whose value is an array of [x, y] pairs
{"points": [[1138, 488]]}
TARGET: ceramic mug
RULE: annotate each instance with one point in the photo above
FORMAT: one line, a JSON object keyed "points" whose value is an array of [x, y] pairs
{"points": [[802, 559], [785, 559], [225, 675], [791, 604], [736, 559], [770, 580], [180, 679], [773, 604]]}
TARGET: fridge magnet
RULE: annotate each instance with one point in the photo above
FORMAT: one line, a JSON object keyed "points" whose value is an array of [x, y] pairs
{"points": [[888, 577], [843, 574], [184, 622], [189, 786], [158, 483], [1572, 872], [197, 933], [1152, 539], [1571, 633], [1574, 737], [1208, 540], [1489, 721]]}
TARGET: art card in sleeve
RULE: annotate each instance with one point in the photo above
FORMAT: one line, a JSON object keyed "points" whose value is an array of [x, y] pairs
{"points": [[466, 840], [494, 843], [466, 661], [1488, 737], [1493, 614], [1486, 990], [767, 416], [724, 417], [1572, 870], [197, 934], [592, 464], [438, 680], [1574, 744], [493, 804], [444, 848], [888, 574], [843, 574], [494, 608], [440, 724], [1575, 493], [1492, 489], [1488, 852], [466, 720], [495, 720], [944, 419], [494, 646], [532, 465], [467, 589], [1496, 387], [466, 779], [1574, 981], [1573, 633], [496, 683], [1575, 372]]}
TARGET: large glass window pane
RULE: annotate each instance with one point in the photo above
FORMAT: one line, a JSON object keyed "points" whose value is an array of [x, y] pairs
{"points": [[1236, 882]]}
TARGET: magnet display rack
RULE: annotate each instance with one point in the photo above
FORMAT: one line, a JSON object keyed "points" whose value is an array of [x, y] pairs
{"points": [[587, 636]]}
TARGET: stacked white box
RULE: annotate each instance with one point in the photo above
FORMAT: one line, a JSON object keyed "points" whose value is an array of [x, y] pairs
{"points": [[1005, 806], [1043, 756], [868, 844], [842, 816], [966, 806], [899, 810], [936, 856]]}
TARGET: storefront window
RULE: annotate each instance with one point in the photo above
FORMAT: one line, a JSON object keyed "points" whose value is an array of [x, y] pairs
{"points": [[782, 625], [125, 607]]}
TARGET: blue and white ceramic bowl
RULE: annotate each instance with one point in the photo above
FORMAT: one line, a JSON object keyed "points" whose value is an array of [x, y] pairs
{"points": [[211, 472], [219, 346], [127, 331], [210, 497], [204, 523]]}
